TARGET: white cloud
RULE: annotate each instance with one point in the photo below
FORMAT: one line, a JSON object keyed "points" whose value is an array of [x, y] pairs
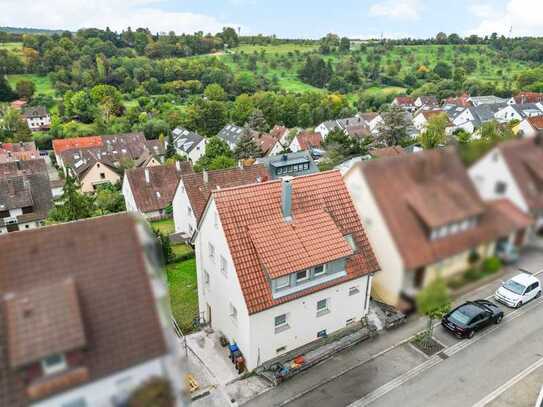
{"points": [[523, 16], [397, 9], [116, 14]]}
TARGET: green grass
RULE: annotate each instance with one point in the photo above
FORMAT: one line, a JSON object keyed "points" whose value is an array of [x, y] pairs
{"points": [[183, 292], [386, 91], [274, 49], [15, 47], [43, 84], [181, 249], [166, 226]]}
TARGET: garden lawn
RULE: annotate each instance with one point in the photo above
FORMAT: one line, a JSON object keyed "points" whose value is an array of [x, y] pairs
{"points": [[165, 226], [181, 249], [43, 84], [183, 292]]}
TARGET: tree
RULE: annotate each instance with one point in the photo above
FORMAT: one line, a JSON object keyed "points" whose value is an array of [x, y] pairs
{"points": [[154, 128], [73, 205], [13, 127], [434, 134], [80, 104], [216, 149], [257, 121], [392, 130], [344, 44], [433, 302], [215, 92], [109, 199], [247, 147], [165, 245], [6, 93], [170, 147], [443, 70], [221, 162], [25, 88], [229, 37]]}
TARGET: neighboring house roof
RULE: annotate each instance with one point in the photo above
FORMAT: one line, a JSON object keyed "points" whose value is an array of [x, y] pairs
{"points": [[35, 112], [231, 133], [353, 126], [404, 100], [524, 158], [155, 147], [156, 193], [308, 140], [199, 186], [89, 273], [428, 100], [486, 100], [18, 104], [528, 97], [61, 145], [23, 184], [428, 114], [387, 152], [536, 122], [368, 116], [527, 109], [453, 110], [322, 212], [186, 140], [18, 151], [463, 101], [272, 163], [485, 112], [265, 141], [430, 189]]}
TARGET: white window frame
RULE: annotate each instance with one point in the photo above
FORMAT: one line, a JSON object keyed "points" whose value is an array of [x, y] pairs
{"points": [[326, 305], [282, 324], [321, 273], [303, 279], [280, 286], [57, 367], [353, 290]]}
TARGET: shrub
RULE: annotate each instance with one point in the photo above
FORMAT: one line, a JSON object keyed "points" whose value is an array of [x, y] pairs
{"points": [[491, 265], [472, 274], [473, 257], [155, 392]]}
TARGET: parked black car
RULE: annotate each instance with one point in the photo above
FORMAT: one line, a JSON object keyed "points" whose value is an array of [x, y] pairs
{"points": [[471, 316]]}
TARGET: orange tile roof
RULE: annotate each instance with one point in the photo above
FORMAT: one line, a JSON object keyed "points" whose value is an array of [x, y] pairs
{"points": [[308, 140], [536, 122], [61, 145], [312, 238], [320, 202]]}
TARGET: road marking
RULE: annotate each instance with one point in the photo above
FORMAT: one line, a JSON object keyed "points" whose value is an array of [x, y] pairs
{"points": [[435, 360], [515, 379]]}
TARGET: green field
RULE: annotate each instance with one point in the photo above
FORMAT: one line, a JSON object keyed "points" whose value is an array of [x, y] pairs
{"points": [[165, 226], [183, 292], [15, 47], [43, 84], [275, 49]]}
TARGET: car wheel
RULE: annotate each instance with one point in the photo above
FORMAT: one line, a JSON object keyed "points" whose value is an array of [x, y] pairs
{"points": [[498, 319], [519, 304], [538, 294], [470, 334]]}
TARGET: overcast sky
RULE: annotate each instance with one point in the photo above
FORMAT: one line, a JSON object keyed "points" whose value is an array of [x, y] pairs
{"points": [[285, 18]]}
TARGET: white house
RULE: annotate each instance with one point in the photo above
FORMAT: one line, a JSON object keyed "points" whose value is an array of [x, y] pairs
{"points": [[275, 268], [306, 141], [150, 190], [518, 112], [372, 120], [422, 118], [189, 144], [37, 118], [281, 134], [529, 127], [194, 189], [354, 126], [424, 219], [514, 170], [96, 302]]}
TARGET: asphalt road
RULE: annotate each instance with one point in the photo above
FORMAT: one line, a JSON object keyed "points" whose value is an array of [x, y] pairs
{"points": [[468, 372]]}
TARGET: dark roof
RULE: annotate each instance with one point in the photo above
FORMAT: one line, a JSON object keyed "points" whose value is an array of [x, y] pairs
{"points": [[186, 140], [34, 112], [418, 192], [199, 191], [231, 133], [320, 204], [282, 160], [159, 191], [428, 100], [485, 112], [25, 183], [104, 258], [524, 158]]}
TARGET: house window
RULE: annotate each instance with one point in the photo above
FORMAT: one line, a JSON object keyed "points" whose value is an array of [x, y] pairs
{"points": [[319, 270], [211, 249], [233, 312], [280, 323], [500, 187], [353, 291], [322, 307], [53, 364], [224, 266], [281, 349], [350, 240], [321, 334], [102, 175], [302, 276], [350, 321], [282, 282]]}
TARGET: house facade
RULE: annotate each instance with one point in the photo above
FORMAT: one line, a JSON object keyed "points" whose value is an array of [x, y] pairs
{"points": [[434, 224], [518, 112], [264, 281], [25, 195], [529, 127], [189, 144], [306, 141], [194, 190], [73, 336], [514, 170], [37, 118]]}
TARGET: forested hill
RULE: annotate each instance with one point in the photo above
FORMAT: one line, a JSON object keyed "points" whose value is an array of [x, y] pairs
{"points": [[25, 30]]}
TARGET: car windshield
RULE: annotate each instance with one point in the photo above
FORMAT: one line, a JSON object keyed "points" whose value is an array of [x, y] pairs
{"points": [[460, 317], [514, 287]]}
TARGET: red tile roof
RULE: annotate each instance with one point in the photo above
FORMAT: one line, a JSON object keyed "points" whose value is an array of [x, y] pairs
{"points": [[536, 122], [199, 191], [404, 100], [158, 193], [528, 97], [462, 101], [417, 192], [524, 158], [253, 207], [60, 145], [309, 140], [104, 257]]}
